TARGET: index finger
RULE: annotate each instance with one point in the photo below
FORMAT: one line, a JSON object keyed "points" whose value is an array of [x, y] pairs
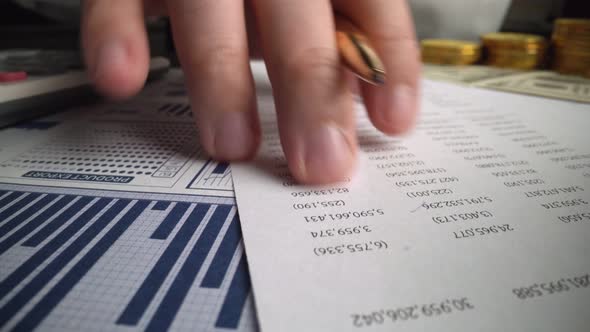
{"points": [[115, 45]]}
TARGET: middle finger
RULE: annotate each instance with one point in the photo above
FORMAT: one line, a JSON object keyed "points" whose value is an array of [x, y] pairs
{"points": [[210, 36], [314, 105]]}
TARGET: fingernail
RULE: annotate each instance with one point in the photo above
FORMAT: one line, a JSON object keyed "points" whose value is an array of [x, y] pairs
{"points": [[111, 54], [402, 103], [395, 109], [328, 155], [235, 138]]}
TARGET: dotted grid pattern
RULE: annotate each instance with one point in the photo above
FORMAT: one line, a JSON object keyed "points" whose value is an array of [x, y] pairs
{"points": [[166, 109], [96, 302], [132, 148], [153, 141], [163, 110]]}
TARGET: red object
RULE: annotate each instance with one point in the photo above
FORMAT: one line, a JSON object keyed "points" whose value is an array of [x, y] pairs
{"points": [[12, 76]]}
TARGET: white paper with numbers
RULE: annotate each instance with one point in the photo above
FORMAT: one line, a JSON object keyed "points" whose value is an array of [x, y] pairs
{"points": [[477, 221]]}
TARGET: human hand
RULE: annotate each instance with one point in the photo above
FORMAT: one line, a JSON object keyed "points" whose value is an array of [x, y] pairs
{"points": [[311, 90]]}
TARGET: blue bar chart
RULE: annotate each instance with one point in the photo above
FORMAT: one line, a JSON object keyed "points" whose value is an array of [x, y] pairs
{"points": [[213, 175], [78, 261], [221, 168]]}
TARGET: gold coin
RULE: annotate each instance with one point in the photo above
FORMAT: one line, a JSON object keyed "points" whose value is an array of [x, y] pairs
{"points": [[572, 70], [569, 26], [577, 38], [515, 57], [531, 62], [580, 23], [571, 30], [573, 47], [571, 64], [512, 51], [450, 52], [513, 40], [449, 59], [450, 55], [442, 60], [573, 59], [448, 62], [431, 52], [571, 50], [462, 57], [571, 55], [445, 53], [450, 46]]}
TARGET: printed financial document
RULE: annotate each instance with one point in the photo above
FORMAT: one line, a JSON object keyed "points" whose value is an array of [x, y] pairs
{"points": [[477, 221], [113, 219]]}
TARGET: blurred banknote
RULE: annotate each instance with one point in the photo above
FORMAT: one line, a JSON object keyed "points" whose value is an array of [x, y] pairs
{"points": [[539, 83]]}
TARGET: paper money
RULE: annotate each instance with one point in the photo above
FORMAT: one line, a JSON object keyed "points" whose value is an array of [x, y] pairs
{"points": [[539, 83], [464, 74], [542, 83]]}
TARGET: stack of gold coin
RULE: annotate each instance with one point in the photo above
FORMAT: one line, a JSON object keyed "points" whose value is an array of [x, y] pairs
{"points": [[571, 46], [514, 50], [450, 52]]}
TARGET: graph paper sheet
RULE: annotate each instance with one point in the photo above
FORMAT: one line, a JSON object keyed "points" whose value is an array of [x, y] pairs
{"points": [[478, 221], [112, 219]]}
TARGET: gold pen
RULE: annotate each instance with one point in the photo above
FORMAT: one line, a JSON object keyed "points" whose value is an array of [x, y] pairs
{"points": [[357, 53]]}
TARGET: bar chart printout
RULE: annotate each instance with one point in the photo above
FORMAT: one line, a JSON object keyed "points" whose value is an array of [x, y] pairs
{"points": [[74, 261]]}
